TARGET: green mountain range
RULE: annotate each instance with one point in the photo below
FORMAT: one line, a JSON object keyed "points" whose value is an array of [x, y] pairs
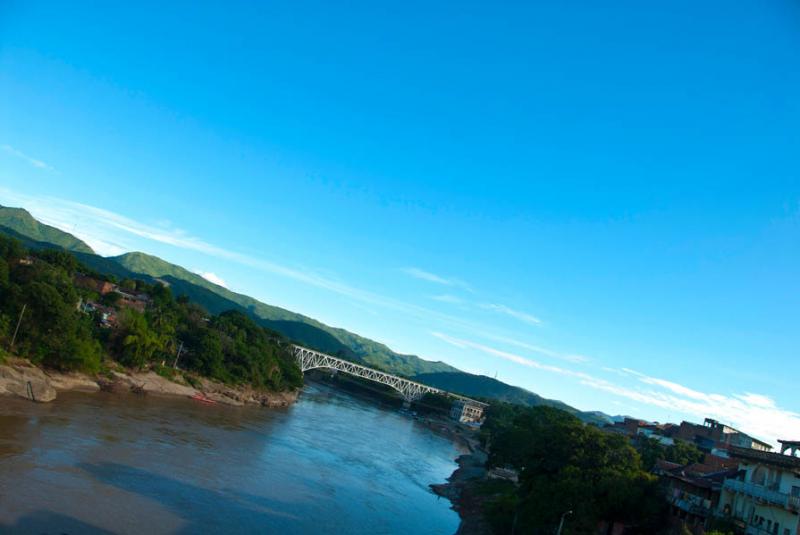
{"points": [[18, 223], [23, 223]]}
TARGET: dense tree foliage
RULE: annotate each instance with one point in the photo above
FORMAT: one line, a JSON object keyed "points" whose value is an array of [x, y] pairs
{"points": [[651, 450], [566, 465], [51, 331], [56, 333], [433, 404], [233, 348]]}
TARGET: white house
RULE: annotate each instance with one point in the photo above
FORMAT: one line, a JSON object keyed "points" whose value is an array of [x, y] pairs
{"points": [[764, 498]]}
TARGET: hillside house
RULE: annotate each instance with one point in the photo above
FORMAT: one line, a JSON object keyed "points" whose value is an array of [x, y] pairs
{"points": [[137, 302], [89, 283]]}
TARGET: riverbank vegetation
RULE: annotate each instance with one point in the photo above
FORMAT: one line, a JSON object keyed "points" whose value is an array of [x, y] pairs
{"points": [[69, 318], [566, 467]]}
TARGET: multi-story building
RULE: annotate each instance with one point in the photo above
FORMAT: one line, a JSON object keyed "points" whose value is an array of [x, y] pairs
{"points": [[467, 411], [693, 494], [713, 434], [764, 497]]}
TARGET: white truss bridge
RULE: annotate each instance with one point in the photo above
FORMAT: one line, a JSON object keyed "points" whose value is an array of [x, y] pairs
{"points": [[308, 359]]}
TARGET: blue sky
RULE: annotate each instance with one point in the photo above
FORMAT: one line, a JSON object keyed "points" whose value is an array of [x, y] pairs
{"points": [[599, 203]]}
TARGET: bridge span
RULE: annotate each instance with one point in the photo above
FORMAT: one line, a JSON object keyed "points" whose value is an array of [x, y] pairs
{"points": [[308, 359]]}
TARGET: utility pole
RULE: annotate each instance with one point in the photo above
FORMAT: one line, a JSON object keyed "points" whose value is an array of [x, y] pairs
{"points": [[16, 330], [180, 348], [561, 524]]}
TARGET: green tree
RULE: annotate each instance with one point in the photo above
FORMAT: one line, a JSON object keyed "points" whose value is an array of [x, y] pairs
{"points": [[60, 259], [433, 403], [111, 299], [567, 465], [11, 249], [136, 342], [651, 451], [3, 274]]}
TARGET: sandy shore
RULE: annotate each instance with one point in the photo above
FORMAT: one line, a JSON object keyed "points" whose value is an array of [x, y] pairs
{"points": [[19, 377]]}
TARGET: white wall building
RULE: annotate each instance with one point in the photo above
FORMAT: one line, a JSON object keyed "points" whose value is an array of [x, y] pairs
{"points": [[467, 411], [765, 497]]}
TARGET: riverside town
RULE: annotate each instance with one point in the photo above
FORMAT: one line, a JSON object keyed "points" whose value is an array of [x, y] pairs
{"points": [[389, 268]]}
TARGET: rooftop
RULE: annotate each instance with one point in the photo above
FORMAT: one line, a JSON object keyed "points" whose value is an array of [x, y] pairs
{"points": [[767, 457]]}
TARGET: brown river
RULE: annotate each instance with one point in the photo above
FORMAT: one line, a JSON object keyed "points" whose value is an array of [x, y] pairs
{"points": [[331, 463]]}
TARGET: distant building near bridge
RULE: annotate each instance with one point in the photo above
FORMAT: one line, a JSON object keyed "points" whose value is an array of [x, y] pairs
{"points": [[467, 411]]}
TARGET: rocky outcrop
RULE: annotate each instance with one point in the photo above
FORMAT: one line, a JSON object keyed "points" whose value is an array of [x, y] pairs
{"points": [[19, 377], [241, 395], [76, 382], [152, 383], [462, 492], [27, 382]]}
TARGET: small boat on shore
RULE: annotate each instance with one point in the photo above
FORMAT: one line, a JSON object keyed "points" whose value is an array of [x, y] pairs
{"points": [[199, 396]]}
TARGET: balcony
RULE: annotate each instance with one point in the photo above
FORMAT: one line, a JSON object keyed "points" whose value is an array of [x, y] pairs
{"points": [[691, 503], [764, 494]]}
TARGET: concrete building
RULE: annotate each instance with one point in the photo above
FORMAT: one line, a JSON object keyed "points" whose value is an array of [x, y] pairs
{"points": [[764, 497], [467, 411], [694, 495], [712, 434]]}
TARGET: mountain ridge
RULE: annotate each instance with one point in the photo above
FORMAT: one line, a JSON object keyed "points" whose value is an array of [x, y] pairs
{"points": [[295, 326], [22, 222]]}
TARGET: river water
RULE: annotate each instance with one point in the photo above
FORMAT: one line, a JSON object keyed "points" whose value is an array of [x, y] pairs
{"points": [[331, 463]]}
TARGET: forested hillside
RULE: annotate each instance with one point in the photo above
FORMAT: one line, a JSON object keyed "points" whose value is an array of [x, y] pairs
{"points": [[70, 318], [20, 221]]}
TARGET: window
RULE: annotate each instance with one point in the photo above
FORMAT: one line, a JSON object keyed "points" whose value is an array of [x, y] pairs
{"points": [[759, 476], [795, 491]]}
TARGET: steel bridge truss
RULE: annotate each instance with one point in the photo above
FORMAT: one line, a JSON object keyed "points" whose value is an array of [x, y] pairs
{"points": [[308, 359]]}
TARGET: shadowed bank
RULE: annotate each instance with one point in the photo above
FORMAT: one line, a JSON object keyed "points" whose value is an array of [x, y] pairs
{"points": [[48, 522], [202, 509]]}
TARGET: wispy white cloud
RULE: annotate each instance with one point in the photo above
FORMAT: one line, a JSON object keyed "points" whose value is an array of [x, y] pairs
{"points": [[462, 343], [568, 357], [508, 311], [448, 298], [426, 276], [110, 233], [755, 414], [39, 164], [212, 277]]}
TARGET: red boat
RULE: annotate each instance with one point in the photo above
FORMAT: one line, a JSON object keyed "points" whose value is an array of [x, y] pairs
{"points": [[199, 396]]}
